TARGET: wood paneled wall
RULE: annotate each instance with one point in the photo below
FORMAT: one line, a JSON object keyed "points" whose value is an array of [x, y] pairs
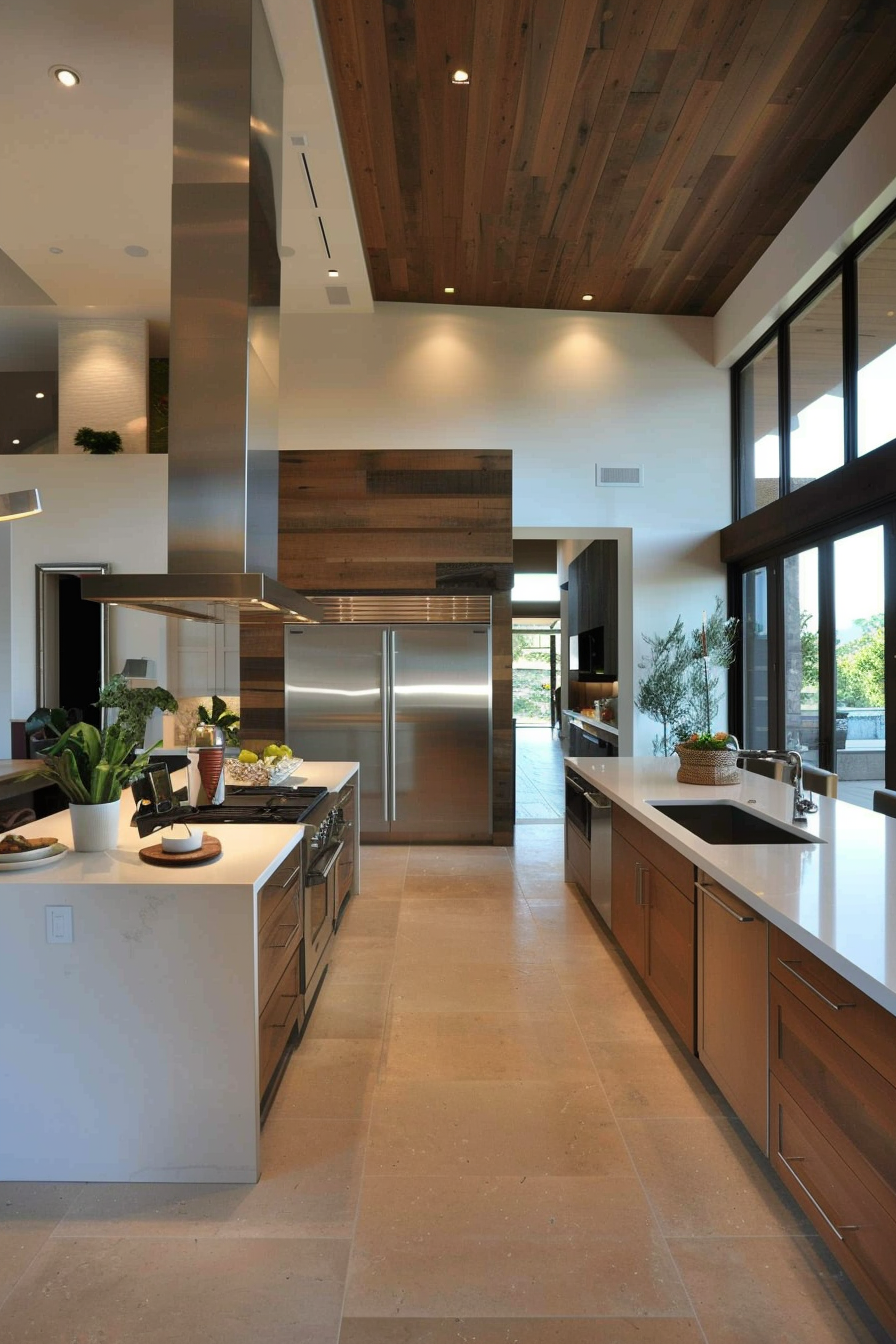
{"points": [[391, 522]]}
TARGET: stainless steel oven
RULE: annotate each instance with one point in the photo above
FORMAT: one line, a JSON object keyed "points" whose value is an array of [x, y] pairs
{"points": [[345, 864], [322, 846]]}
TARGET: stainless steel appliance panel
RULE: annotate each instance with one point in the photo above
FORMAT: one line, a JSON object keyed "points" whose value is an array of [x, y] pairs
{"points": [[336, 703], [441, 716], [601, 893]]}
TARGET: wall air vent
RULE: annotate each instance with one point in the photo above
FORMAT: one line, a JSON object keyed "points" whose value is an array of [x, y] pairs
{"points": [[618, 475], [338, 295]]}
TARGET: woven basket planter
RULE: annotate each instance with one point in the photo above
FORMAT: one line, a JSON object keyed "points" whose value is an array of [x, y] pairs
{"points": [[706, 767]]}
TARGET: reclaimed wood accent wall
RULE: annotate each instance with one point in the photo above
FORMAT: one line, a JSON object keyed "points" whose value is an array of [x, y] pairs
{"points": [[391, 522]]}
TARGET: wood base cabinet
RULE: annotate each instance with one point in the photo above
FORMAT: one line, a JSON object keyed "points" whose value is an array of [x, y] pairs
{"points": [[732, 1002], [833, 1062], [653, 918]]}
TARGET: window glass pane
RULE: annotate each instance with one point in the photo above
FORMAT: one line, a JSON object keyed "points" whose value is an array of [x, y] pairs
{"points": [[756, 659], [801, 654], [759, 439], [877, 343], [816, 389], [859, 619]]}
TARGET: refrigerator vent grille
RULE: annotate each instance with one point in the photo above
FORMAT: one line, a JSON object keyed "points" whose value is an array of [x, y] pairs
{"points": [[393, 609]]}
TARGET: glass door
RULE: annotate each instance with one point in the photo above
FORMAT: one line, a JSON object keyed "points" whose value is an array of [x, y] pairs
{"points": [[859, 727], [801, 654], [756, 659]]}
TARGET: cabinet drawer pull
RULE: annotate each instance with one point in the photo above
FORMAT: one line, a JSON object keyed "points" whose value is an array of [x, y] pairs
{"points": [[642, 896], [837, 1231], [741, 919], [789, 965], [290, 930]]}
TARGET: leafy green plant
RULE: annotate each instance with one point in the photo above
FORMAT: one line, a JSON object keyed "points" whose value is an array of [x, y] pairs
{"points": [[712, 645], [134, 705], [90, 766], [45, 725], [222, 717], [707, 741], [663, 693], [101, 442]]}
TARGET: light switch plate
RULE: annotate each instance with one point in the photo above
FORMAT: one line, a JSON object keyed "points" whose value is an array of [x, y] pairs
{"points": [[59, 924]]}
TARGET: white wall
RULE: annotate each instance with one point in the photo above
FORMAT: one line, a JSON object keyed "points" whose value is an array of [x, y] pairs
{"points": [[857, 187], [94, 509], [103, 372], [564, 391]]}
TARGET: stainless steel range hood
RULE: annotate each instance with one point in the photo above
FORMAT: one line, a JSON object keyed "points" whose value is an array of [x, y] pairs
{"points": [[223, 460]]}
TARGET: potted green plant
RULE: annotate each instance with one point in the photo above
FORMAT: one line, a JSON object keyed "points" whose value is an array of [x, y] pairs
{"points": [[220, 716], [45, 725], [91, 768], [100, 442], [135, 704]]}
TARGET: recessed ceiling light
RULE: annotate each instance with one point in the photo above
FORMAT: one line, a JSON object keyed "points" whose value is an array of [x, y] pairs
{"points": [[134, 251], [17, 440], [449, 289], [65, 75], [57, 251], [890, 313], [39, 396], [586, 298], [460, 77], [334, 275]]}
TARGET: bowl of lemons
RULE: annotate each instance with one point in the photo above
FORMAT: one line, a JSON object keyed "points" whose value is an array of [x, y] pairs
{"points": [[272, 766]]}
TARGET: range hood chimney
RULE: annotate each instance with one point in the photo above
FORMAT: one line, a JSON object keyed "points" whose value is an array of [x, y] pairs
{"points": [[223, 460]]}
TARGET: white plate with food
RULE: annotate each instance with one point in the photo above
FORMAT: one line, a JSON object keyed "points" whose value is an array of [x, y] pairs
{"points": [[38, 858], [25, 848]]}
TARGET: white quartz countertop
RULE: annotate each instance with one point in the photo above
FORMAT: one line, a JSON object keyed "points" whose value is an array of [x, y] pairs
{"points": [[250, 854], [836, 898]]}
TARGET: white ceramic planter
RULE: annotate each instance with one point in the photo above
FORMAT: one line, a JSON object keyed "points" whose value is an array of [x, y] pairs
{"points": [[95, 825]]}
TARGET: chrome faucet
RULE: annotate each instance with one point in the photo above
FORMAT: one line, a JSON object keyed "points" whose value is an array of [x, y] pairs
{"points": [[801, 804]]}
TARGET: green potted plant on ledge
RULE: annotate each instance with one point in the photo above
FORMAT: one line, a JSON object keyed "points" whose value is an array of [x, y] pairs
{"points": [[91, 768], [100, 442]]}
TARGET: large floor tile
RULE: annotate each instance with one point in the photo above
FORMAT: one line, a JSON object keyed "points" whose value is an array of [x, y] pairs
{"points": [[203, 1290], [705, 1179], [494, 1129], [363, 958], [29, 1211], [418, 945], [465, 987], [370, 919], [564, 917], [539, 1247], [753, 1290], [329, 1079], [349, 1009], [654, 1078], [608, 1006], [509, 1046], [150, 1210], [440, 912], [468, 860], [310, 1181], [519, 1330], [424, 886]]}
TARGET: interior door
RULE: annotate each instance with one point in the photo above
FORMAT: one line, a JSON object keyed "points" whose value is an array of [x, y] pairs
{"points": [[441, 719], [335, 706]]}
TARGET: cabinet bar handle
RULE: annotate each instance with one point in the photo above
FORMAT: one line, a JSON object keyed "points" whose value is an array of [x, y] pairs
{"points": [[291, 931], [837, 1231], [641, 897], [741, 919], [789, 965], [597, 801]]}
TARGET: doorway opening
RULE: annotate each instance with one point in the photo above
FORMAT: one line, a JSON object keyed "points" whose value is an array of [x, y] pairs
{"points": [[537, 676], [73, 641]]}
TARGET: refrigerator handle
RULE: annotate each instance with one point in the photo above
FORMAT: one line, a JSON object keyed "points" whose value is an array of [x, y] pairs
{"points": [[385, 684], [393, 741]]}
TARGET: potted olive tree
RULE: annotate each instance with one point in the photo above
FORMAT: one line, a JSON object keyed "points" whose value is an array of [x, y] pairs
{"points": [[91, 768]]}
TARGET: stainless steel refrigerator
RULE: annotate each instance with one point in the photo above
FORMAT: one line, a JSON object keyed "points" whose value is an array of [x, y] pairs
{"points": [[412, 704]]}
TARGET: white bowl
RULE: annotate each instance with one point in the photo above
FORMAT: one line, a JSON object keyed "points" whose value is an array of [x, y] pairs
{"points": [[182, 844]]}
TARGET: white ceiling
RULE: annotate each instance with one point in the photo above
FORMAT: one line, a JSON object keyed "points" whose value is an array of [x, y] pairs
{"points": [[88, 170]]}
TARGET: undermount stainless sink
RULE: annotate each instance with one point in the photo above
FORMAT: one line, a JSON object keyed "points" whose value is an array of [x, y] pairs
{"points": [[732, 824]]}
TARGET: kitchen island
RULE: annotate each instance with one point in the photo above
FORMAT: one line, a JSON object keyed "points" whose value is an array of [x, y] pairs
{"points": [[774, 960], [133, 1052]]}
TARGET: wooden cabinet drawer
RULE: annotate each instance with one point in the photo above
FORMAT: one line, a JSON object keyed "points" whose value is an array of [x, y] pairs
{"points": [[844, 1096], [276, 1021], [670, 960], [277, 942], [627, 912], [855, 1226], [858, 1020], [732, 1007], [281, 880], [674, 866]]}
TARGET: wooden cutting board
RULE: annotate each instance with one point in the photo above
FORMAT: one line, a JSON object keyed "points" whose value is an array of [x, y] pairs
{"points": [[211, 848]]}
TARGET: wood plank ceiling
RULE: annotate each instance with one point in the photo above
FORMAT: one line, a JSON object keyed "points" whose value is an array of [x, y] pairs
{"points": [[645, 152]]}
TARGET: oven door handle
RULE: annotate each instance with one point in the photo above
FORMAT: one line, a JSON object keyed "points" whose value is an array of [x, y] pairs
{"points": [[315, 876]]}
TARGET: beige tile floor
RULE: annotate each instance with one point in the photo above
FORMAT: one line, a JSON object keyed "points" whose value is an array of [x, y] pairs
{"points": [[488, 1136]]}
